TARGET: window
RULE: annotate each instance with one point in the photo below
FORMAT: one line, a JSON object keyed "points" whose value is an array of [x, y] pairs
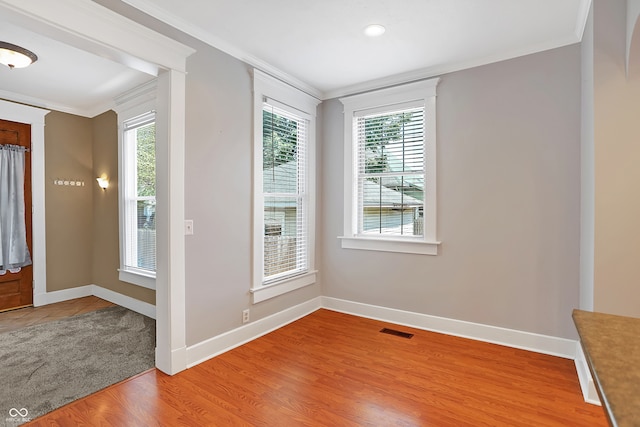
{"points": [[137, 187], [284, 138], [390, 189], [284, 199]]}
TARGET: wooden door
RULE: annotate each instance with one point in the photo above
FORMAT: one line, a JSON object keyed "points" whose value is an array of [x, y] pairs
{"points": [[16, 289]]}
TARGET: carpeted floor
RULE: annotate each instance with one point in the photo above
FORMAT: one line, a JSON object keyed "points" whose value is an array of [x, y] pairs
{"points": [[46, 366]]}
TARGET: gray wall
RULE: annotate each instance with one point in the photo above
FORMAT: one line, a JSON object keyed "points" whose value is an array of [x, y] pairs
{"points": [[218, 189], [219, 143], [508, 203], [509, 199], [587, 165]]}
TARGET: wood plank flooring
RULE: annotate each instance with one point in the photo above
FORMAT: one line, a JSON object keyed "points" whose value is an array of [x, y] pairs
{"points": [[332, 369], [28, 316]]}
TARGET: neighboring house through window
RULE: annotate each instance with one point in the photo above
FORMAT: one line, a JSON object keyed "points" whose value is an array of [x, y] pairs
{"points": [[137, 187], [390, 189], [284, 188]]}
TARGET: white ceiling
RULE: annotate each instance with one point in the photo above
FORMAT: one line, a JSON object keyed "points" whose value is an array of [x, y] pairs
{"points": [[63, 78], [318, 46]]}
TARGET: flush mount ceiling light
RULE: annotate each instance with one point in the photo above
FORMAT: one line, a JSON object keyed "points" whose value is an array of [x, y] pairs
{"points": [[374, 30], [15, 56]]}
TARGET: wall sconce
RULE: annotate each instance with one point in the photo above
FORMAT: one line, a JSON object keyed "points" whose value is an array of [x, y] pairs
{"points": [[103, 182]]}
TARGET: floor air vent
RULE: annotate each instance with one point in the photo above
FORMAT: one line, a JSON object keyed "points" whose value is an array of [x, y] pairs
{"points": [[396, 333]]}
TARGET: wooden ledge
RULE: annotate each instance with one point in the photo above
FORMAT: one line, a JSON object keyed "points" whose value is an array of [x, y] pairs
{"points": [[611, 345]]}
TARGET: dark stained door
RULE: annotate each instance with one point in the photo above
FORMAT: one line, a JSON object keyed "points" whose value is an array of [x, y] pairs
{"points": [[16, 289]]}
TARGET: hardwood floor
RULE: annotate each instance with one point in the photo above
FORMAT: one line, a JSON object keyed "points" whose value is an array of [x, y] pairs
{"points": [[28, 316], [332, 369]]}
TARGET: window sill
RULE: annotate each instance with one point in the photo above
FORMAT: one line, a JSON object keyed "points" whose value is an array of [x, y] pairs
{"points": [[419, 247], [289, 284], [139, 278]]}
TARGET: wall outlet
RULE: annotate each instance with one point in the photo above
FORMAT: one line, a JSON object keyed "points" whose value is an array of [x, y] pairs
{"points": [[188, 227], [245, 315]]}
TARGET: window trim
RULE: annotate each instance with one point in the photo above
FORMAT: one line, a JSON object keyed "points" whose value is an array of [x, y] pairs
{"points": [[425, 93], [265, 86], [130, 105]]}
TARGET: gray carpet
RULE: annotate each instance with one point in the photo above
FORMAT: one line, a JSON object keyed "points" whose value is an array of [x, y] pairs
{"points": [[46, 366]]}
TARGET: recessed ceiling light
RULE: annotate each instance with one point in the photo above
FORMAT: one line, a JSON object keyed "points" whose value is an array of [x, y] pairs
{"points": [[374, 30]]}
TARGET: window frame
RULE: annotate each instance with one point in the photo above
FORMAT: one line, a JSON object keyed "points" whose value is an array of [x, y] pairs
{"points": [[423, 92], [297, 102], [137, 104]]}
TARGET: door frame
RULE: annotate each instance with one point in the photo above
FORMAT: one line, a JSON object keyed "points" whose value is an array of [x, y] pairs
{"points": [[35, 117], [98, 30]]}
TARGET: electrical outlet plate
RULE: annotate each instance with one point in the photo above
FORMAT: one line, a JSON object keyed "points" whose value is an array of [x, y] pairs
{"points": [[188, 227], [245, 316]]}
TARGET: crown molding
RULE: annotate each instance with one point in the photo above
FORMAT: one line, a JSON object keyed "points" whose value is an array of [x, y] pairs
{"points": [[140, 94], [154, 11], [583, 16], [85, 23], [50, 105], [430, 72]]}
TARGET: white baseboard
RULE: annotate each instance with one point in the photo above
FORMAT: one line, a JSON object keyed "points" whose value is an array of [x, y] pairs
{"points": [[205, 350], [587, 385], [508, 337], [212, 347], [64, 295], [174, 363], [219, 344], [133, 304]]}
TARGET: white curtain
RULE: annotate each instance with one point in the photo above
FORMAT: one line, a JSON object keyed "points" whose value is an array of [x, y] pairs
{"points": [[14, 252]]}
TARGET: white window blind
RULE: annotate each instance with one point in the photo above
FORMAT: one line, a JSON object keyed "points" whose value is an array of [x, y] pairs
{"points": [[284, 144], [140, 194], [390, 171]]}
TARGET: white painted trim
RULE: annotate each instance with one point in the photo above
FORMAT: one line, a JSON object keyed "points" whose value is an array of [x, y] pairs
{"points": [[265, 292], [219, 344], [587, 168], [583, 15], [421, 93], [178, 356], [170, 207], [290, 98], [90, 27], [129, 105], [212, 347], [50, 105], [633, 13], [133, 304], [139, 279], [150, 8], [544, 344], [157, 12], [492, 334], [136, 101], [419, 247], [89, 112], [53, 297], [95, 24], [439, 70], [34, 117], [587, 385]]}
